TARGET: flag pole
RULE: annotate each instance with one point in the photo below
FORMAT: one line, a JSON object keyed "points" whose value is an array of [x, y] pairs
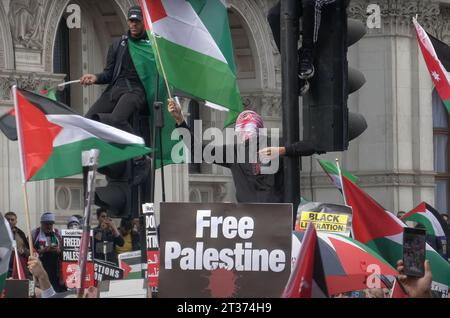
{"points": [[89, 161], [340, 178], [161, 64], [22, 168], [147, 19]]}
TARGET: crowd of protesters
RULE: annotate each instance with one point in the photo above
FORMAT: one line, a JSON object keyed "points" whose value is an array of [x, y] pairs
{"points": [[109, 241], [46, 264]]}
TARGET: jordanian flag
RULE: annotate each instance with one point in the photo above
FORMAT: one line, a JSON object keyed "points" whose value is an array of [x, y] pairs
{"points": [[8, 120], [194, 42], [439, 75], [6, 241], [332, 171], [383, 232], [52, 138]]}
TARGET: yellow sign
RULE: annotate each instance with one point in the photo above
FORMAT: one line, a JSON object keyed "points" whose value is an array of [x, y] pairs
{"points": [[326, 222]]}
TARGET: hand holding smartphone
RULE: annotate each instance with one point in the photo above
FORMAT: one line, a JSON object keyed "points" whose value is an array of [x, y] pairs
{"points": [[414, 242]]}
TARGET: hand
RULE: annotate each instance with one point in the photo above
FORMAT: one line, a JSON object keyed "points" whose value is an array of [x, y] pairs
{"points": [[175, 111], [272, 152], [416, 287], [35, 267], [88, 79]]}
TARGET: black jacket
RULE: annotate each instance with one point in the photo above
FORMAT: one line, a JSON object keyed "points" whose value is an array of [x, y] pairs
{"points": [[253, 187], [114, 61]]}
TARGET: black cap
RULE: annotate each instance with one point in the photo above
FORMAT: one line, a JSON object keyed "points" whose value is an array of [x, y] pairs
{"points": [[135, 13]]}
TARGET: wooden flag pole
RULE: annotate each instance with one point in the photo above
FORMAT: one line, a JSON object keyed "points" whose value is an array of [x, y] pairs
{"points": [[27, 217], [161, 64], [22, 168], [149, 24]]}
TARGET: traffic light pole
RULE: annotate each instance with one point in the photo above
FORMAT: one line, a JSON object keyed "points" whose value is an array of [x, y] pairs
{"points": [[290, 99]]}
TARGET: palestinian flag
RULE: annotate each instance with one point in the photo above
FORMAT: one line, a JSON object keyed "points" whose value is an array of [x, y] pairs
{"points": [[348, 264], [52, 138], [8, 124], [439, 75], [8, 120], [6, 242], [383, 232], [194, 41], [131, 263], [307, 279], [332, 171], [428, 217]]}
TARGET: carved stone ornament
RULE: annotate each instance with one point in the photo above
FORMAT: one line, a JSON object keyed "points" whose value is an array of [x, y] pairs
{"points": [[27, 22], [26, 80], [396, 16]]}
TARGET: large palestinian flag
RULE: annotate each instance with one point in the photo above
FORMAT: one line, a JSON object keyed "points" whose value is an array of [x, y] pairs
{"points": [[194, 42], [383, 232], [348, 265], [52, 138]]}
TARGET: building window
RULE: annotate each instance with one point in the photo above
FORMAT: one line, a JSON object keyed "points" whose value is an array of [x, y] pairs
{"points": [[441, 142], [61, 59], [194, 114]]}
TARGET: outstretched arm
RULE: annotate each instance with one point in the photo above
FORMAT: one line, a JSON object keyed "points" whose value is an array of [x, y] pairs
{"points": [[298, 149]]}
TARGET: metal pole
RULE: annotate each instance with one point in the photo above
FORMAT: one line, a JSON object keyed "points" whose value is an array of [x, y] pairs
{"points": [[289, 98], [89, 160]]}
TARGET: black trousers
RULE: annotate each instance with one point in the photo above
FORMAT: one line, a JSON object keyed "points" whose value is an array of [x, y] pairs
{"points": [[310, 13], [116, 105]]}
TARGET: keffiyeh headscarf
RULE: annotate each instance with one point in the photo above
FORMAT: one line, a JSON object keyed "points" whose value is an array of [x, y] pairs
{"points": [[248, 123]]}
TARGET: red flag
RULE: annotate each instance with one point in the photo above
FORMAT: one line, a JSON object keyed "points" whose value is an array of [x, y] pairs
{"points": [[397, 291], [18, 268], [307, 279]]}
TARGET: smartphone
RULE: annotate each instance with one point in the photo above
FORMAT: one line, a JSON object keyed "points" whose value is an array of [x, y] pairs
{"points": [[414, 241]]}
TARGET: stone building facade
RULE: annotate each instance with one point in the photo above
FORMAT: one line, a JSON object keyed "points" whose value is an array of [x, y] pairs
{"points": [[394, 157]]}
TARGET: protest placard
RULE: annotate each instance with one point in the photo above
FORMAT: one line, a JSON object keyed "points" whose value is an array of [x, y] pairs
{"points": [[71, 240], [153, 253], [106, 271], [224, 250], [131, 263]]}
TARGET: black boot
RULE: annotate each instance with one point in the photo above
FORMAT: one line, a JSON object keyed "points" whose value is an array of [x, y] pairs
{"points": [[305, 63]]}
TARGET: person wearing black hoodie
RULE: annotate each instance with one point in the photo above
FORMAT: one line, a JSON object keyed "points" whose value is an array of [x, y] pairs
{"points": [[252, 186]]}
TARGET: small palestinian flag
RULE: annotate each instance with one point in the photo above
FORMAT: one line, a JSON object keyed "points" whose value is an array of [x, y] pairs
{"points": [[52, 138], [430, 218], [332, 171]]}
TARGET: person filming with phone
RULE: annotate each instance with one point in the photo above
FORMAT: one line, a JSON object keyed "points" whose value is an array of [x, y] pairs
{"points": [[106, 238]]}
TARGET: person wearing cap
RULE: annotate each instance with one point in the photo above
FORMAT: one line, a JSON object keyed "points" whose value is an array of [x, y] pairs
{"points": [[74, 223], [47, 242], [125, 93]]}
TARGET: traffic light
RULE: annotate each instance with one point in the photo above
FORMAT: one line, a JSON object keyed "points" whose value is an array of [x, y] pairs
{"points": [[326, 119], [120, 196]]}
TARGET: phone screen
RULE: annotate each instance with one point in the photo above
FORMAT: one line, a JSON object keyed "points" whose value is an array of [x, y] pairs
{"points": [[414, 251]]}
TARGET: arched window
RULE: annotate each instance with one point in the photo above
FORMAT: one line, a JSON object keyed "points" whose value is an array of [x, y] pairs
{"points": [[441, 142], [61, 59]]}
